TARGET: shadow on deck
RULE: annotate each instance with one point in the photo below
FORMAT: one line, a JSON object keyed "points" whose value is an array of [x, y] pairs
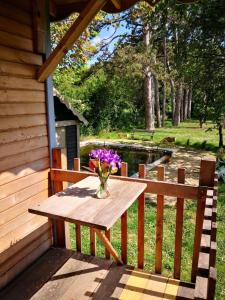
{"points": [[64, 274]]}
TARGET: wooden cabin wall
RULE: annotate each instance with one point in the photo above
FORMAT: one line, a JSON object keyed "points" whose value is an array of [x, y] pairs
{"points": [[24, 151]]}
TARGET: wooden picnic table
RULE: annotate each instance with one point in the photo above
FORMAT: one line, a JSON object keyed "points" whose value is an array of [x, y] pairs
{"points": [[78, 204]]}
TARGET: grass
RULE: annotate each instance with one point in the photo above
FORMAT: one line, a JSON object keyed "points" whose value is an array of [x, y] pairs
{"points": [[188, 134], [168, 242]]}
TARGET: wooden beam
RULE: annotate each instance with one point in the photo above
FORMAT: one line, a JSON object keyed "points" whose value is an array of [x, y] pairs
{"points": [[116, 3], [66, 43], [166, 188]]}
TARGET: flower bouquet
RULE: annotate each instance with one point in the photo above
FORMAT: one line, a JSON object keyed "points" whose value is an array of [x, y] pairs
{"points": [[105, 162]]}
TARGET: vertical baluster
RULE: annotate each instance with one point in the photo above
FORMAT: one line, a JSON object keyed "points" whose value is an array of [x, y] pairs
{"points": [[59, 237], [141, 222], [108, 235], [76, 166], [179, 227], [92, 242], [206, 178], [124, 172], [159, 224]]}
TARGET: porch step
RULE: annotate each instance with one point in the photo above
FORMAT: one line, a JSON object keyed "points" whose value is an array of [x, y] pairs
{"points": [[65, 275]]}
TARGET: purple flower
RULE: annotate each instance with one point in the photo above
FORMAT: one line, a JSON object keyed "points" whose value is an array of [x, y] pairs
{"points": [[109, 160]]}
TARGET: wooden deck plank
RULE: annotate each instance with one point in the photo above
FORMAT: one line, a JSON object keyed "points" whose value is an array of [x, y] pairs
{"points": [[135, 286], [155, 288], [33, 279], [63, 274]]}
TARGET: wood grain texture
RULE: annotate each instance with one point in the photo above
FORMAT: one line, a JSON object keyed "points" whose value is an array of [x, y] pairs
{"points": [[59, 239], [179, 227], [18, 147], [16, 83], [17, 96], [16, 198], [15, 41], [21, 121], [16, 13], [22, 134], [22, 207], [159, 223], [153, 186], [8, 54], [17, 69], [63, 274], [76, 166], [108, 236], [24, 170], [15, 27], [124, 172], [23, 182], [78, 203], [23, 158], [141, 222]]}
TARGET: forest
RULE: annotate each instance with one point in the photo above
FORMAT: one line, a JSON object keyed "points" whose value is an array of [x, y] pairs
{"points": [[147, 67]]}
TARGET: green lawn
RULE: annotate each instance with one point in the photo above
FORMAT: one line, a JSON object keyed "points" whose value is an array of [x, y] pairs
{"points": [[190, 135], [187, 134]]}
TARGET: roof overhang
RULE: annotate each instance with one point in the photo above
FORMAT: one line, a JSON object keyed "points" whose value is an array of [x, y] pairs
{"points": [[61, 9]]}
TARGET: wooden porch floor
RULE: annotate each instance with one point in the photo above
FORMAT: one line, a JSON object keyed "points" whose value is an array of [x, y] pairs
{"points": [[64, 274]]}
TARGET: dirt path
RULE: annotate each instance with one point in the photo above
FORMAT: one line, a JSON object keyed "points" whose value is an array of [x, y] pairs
{"points": [[182, 158]]}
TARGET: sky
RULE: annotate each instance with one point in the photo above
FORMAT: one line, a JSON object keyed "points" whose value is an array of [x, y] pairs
{"points": [[105, 36]]}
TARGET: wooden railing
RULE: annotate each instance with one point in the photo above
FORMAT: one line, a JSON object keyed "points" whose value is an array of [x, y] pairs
{"points": [[205, 230]]}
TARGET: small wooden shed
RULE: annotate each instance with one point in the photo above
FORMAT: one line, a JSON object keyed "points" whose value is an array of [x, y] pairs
{"points": [[67, 122]]}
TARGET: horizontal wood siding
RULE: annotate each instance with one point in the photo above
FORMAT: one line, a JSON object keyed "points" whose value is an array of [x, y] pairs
{"points": [[24, 152]]}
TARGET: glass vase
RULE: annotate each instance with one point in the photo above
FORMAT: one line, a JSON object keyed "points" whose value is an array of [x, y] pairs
{"points": [[103, 190]]}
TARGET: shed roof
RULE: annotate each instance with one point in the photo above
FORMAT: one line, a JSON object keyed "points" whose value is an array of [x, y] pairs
{"points": [[71, 110]]}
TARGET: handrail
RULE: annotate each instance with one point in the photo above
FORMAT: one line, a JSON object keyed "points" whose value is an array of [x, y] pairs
{"points": [[204, 250]]}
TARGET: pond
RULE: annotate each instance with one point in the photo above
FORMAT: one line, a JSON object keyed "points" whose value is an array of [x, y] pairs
{"points": [[131, 156]]}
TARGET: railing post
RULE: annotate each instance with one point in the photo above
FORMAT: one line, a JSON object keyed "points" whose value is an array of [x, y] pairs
{"points": [[206, 178], [59, 236], [76, 166], [141, 221], [159, 224], [124, 172], [179, 227]]}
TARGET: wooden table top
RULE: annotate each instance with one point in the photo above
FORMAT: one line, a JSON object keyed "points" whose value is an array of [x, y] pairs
{"points": [[78, 203]]}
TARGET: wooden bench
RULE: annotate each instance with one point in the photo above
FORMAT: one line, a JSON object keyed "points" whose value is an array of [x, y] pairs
{"points": [[142, 132]]}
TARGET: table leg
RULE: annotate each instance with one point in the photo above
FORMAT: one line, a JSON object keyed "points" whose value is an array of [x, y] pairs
{"points": [[108, 245]]}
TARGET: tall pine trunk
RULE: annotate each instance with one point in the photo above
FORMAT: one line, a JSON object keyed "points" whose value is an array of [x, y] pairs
{"points": [[148, 86], [178, 104], [189, 103], [149, 103], [186, 92], [157, 103], [173, 99], [164, 84]]}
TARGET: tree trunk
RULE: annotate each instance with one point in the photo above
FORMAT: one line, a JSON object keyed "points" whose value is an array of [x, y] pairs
{"points": [[173, 99], [149, 103], [182, 107], [224, 121], [164, 104], [178, 105], [220, 129], [189, 103], [186, 92], [148, 86], [164, 83], [157, 103]]}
